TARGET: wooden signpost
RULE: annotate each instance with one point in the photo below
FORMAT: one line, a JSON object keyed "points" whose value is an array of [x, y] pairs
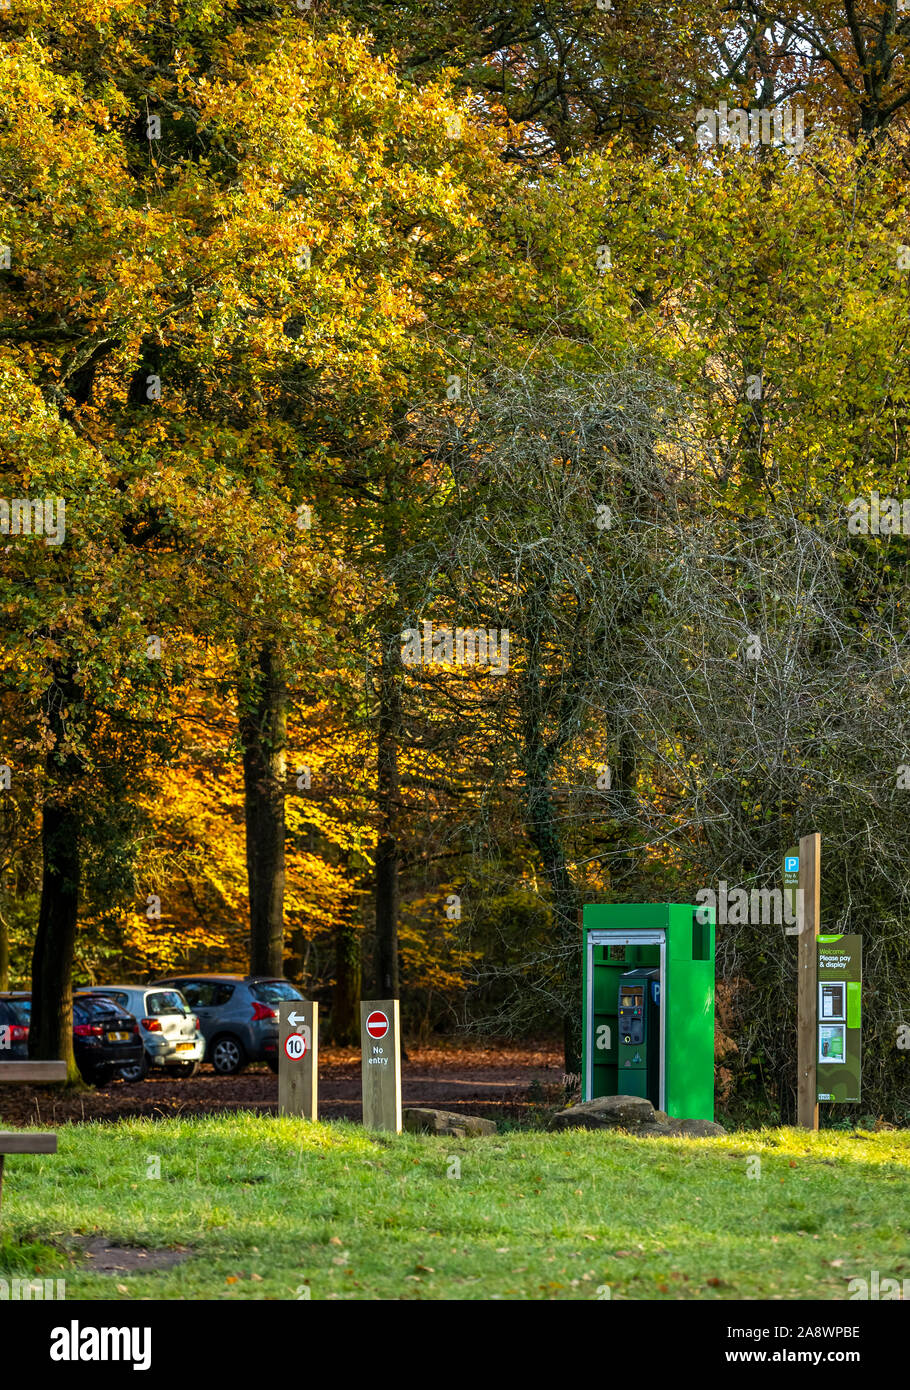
{"points": [[808, 914], [381, 1064], [298, 1057]]}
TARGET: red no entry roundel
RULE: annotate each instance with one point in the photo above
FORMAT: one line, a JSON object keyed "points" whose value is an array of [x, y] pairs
{"points": [[377, 1024]]}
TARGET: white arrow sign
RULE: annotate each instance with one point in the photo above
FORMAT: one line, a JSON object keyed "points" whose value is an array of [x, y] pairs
{"points": [[295, 1019]]}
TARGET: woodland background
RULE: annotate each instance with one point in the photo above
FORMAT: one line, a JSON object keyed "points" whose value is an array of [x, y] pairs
{"points": [[329, 321]]}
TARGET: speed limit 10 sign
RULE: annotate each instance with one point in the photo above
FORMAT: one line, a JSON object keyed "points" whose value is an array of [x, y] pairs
{"points": [[295, 1046]]}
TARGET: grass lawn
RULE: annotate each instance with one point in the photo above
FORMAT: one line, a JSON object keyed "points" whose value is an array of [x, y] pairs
{"points": [[273, 1208]]}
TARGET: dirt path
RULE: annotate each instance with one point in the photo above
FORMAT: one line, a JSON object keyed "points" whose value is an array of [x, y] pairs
{"points": [[503, 1081]]}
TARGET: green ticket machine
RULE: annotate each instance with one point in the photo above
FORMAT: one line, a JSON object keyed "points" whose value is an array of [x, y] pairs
{"points": [[649, 1005], [638, 1015]]}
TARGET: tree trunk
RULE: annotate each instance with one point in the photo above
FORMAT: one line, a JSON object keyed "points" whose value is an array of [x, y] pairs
{"points": [[5, 870], [541, 815], [387, 851], [50, 1034], [541, 823], [348, 980], [263, 735], [4, 953], [51, 1025]]}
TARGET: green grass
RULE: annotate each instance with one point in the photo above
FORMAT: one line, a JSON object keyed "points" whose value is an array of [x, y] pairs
{"points": [[270, 1207]]}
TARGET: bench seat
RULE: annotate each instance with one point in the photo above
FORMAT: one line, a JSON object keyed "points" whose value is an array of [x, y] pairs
{"points": [[27, 1142], [32, 1071]]}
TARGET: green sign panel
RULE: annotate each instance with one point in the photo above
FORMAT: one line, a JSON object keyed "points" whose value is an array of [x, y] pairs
{"points": [[839, 1060]]}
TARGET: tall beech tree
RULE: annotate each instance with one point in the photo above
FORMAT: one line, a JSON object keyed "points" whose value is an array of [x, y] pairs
{"points": [[253, 300]]}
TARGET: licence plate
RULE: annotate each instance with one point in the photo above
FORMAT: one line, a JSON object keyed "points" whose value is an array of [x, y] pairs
{"points": [[185, 1047], [118, 1037]]}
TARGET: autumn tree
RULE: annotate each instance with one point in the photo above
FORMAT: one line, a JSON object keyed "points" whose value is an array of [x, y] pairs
{"points": [[230, 353]]}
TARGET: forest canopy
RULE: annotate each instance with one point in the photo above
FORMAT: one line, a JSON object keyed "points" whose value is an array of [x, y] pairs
{"points": [[446, 479]]}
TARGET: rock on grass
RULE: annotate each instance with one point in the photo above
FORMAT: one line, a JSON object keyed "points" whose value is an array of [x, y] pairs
{"points": [[444, 1122], [631, 1113]]}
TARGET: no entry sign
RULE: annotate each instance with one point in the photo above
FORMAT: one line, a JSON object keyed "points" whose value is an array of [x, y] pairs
{"points": [[380, 1064], [295, 1046], [377, 1024]]}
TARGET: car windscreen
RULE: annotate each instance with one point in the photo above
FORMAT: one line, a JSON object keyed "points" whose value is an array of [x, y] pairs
{"points": [[89, 1009], [164, 1001], [201, 994], [272, 991]]}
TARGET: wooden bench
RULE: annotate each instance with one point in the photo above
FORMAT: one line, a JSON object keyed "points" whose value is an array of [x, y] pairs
{"points": [[25, 1142], [32, 1071]]}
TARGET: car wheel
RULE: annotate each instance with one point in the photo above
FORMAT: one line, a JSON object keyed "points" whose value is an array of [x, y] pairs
{"points": [[100, 1076], [185, 1068], [272, 1063], [228, 1055], [136, 1071]]}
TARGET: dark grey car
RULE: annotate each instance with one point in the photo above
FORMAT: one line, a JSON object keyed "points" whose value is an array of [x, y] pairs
{"points": [[15, 1008], [238, 1016]]}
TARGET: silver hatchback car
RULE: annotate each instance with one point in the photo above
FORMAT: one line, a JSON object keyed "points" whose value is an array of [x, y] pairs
{"points": [[168, 1027]]}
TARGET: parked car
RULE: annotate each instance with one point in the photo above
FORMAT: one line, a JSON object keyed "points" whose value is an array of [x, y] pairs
{"points": [[169, 1029], [105, 1038], [238, 1015], [14, 1016]]}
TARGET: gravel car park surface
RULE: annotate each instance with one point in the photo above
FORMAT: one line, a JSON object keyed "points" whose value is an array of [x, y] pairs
{"points": [[506, 1082]]}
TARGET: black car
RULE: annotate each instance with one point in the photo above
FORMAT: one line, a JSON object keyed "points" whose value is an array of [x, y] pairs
{"points": [[105, 1038], [14, 1015]]}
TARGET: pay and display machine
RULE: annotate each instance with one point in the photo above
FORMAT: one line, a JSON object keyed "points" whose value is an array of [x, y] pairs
{"points": [[638, 1013]]}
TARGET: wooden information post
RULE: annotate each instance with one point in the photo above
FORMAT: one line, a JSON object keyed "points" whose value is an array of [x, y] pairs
{"points": [[808, 914], [298, 1057], [381, 1064]]}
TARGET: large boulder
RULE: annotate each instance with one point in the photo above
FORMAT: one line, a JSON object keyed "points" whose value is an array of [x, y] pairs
{"points": [[444, 1122], [632, 1113], [606, 1112], [697, 1129]]}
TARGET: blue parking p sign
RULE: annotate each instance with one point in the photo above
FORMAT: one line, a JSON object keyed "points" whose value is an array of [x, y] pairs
{"points": [[791, 880]]}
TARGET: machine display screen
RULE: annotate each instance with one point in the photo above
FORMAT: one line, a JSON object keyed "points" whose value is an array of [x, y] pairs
{"points": [[630, 1001]]}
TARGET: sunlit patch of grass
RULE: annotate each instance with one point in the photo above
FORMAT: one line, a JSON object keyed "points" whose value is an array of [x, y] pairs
{"points": [[281, 1208]]}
